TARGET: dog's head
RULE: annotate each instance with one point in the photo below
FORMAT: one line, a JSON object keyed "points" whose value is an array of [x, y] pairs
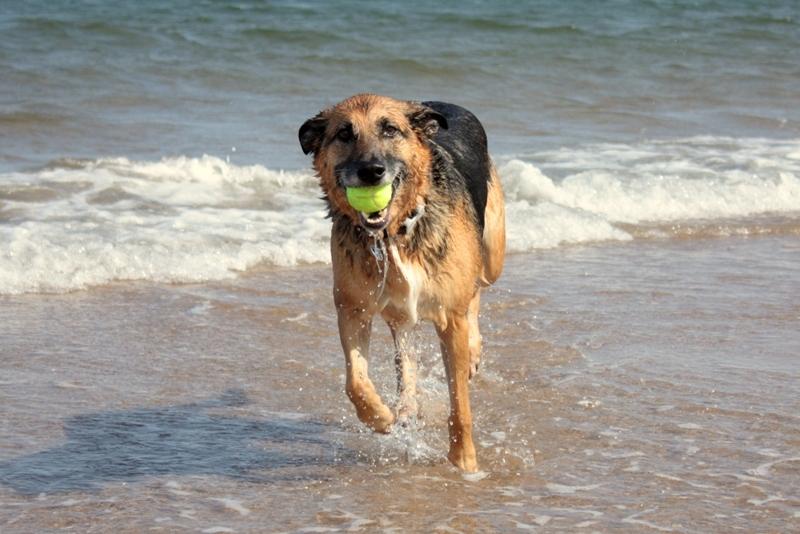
{"points": [[370, 140]]}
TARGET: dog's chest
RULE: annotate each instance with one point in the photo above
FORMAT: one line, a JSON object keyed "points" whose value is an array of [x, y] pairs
{"points": [[407, 297]]}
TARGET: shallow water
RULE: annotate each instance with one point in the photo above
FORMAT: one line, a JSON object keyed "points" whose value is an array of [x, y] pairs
{"points": [[634, 387], [641, 350], [157, 140]]}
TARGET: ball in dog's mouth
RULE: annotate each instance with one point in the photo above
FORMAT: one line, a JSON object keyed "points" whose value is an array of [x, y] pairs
{"points": [[375, 221], [378, 220]]}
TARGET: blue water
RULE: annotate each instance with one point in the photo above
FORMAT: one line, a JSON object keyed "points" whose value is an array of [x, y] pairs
{"points": [[149, 79]]}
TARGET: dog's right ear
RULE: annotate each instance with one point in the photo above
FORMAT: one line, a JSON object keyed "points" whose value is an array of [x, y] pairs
{"points": [[427, 120], [311, 133]]}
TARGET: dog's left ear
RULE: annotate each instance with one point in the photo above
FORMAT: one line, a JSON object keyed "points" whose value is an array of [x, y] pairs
{"points": [[427, 120], [311, 133]]}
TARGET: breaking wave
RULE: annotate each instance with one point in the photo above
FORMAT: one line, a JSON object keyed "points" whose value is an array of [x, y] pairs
{"points": [[76, 224]]}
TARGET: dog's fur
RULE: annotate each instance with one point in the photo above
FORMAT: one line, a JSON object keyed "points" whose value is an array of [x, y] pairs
{"points": [[425, 256]]}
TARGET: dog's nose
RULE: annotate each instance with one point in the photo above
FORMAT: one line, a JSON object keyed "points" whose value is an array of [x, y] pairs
{"points": [[371, 173]]}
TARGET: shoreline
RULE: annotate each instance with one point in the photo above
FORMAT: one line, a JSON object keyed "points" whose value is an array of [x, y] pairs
{"points": [[618, 382]]}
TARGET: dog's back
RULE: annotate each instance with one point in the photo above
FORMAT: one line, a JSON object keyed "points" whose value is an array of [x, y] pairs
{"points": [[463, 162], [466, 154]]}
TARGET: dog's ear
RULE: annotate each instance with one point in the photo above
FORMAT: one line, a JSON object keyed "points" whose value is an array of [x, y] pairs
{"points": [[426, 120], [311, 133]]}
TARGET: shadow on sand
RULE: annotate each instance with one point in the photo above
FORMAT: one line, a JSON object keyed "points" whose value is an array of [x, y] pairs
{"points": [[173, 440]]}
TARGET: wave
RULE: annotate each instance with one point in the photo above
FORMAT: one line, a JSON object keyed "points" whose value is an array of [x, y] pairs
{"points": [[80, 223], [696, 187], [175, 220]]}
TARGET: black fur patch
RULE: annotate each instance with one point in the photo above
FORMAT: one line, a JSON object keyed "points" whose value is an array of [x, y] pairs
{"points": [[462, 156]]}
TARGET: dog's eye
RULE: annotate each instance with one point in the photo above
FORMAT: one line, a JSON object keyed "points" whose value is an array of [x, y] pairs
{"points": [[345, 135], [390, 131]]}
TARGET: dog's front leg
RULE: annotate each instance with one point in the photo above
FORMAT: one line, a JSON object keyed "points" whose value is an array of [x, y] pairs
{"points": [[455, 351], [354, 331], [405, 364]]}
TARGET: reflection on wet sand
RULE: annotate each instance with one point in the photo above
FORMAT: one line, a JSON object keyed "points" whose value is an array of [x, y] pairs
{"points": [[126, 445]]}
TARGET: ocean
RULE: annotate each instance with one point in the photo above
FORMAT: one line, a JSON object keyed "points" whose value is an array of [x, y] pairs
{"points": [[168, 352]]}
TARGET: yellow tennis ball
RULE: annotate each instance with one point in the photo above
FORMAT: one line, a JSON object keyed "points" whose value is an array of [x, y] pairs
{"points": [[370, 199]]}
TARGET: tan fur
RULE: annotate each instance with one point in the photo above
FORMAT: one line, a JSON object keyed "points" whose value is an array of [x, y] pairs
{"points": [[494, 233], [417, 285], [363, 111]]}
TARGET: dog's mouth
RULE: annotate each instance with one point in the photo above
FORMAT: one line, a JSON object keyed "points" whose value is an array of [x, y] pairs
{"points": [[375, 221], [378, 220]]}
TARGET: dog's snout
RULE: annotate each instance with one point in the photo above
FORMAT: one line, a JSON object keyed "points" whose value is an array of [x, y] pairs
{"points": [[372, 172], [364, 172]]}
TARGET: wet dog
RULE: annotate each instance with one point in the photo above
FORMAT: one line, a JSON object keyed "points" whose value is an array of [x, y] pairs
{"points": [[425, 256]]}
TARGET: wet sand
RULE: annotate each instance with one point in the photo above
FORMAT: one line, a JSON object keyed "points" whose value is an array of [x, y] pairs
{"points": [[637, 387]]}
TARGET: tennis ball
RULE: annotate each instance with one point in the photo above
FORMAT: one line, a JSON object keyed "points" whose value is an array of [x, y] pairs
{"points": [[370, 199]]}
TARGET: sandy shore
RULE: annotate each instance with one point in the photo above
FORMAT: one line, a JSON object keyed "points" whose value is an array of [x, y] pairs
{"points": [[638, 387]]}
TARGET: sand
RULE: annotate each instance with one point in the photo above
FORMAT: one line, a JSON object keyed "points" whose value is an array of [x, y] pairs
{"points": [[642, 386]]}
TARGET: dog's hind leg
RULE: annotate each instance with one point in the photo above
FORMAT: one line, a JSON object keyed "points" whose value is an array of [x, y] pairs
{"points": [[405, 363], [475, 340], [354, 332], [455, 351]]}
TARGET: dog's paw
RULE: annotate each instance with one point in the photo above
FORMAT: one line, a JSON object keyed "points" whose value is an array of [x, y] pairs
{"points": [[380, 419], [463, 459], [381, 427], [406, 420], [406, 414]]}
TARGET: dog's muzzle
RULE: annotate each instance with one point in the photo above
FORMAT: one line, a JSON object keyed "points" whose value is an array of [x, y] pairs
{"points": [[371, 173], [377, 221]]}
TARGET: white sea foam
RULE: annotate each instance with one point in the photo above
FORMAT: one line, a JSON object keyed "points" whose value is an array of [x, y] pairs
{"points": [[477, 476], [569, 490], [82, 223], [232, 504], [584, 193], [177, 220], [634, 520]]}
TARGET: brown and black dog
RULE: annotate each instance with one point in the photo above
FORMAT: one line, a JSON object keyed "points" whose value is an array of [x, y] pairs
{"points": [[426, 255]]}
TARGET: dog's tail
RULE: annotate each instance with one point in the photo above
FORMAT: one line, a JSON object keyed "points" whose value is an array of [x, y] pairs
{"points": [[494, 231]]}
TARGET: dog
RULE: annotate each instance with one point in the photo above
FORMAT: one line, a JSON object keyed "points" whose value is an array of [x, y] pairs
{"points": [[425, 256]]}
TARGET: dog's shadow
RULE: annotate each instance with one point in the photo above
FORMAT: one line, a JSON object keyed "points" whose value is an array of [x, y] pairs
{"points": [[173, 440]]}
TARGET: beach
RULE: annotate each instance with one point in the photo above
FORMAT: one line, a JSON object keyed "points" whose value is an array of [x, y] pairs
{"points": [[169, 355], [628, 387]]}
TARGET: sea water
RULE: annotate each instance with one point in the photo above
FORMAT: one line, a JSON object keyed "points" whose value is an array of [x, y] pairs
{"points": [[169, 358], [157, 140], [81, 223]]}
